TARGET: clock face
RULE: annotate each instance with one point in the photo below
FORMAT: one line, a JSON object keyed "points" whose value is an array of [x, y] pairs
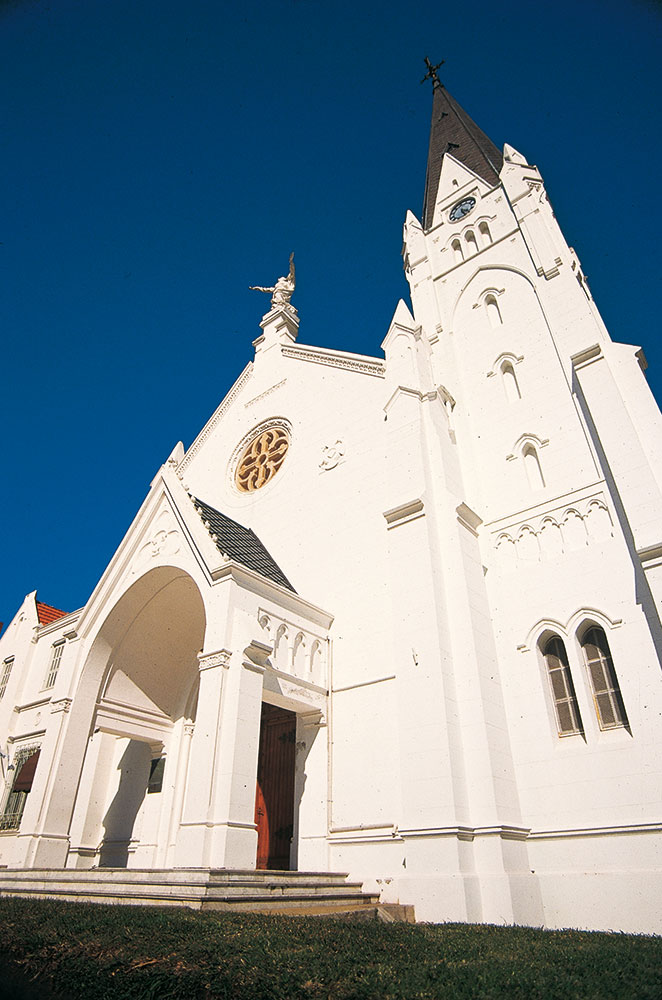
{"points": [[462, 208]]}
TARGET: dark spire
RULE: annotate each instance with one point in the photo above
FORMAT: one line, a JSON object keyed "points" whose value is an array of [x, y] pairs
{"points": [[452, 131]]}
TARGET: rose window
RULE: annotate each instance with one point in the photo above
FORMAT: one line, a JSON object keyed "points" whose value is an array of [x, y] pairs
{"points": [[261, 459]]}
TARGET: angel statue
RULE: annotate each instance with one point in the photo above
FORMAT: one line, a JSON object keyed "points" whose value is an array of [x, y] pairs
{"points": [[281, 292]]}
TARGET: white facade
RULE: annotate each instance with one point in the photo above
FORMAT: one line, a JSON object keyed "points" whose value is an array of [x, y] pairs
{"points": [[465, 523]]}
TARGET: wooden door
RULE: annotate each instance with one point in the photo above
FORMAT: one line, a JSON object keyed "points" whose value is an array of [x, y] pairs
{"points": [[274, 797]]}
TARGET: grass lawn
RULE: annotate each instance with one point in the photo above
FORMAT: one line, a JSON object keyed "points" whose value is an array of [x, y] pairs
{"points": [[122, 953]]}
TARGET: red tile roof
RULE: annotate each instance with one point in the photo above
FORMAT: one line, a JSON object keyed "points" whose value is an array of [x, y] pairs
{"points": [[46, 614]]}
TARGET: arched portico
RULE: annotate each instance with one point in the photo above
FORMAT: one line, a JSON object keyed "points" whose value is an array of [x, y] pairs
{"points": [[133, 703], [153, 760], [131, 788]]}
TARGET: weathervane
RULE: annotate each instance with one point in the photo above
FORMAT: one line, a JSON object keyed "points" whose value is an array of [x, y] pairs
{"points": [[432, 72]]}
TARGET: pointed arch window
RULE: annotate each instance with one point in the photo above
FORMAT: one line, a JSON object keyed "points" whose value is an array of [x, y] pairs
{"points": [[470, 240], [485, 235], [510, 382], [456, 247], [493, 311], [568, 717], [609, 705], [532, 466]]}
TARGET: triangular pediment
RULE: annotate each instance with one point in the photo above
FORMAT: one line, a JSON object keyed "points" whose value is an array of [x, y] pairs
{"points": [[456, 181]]}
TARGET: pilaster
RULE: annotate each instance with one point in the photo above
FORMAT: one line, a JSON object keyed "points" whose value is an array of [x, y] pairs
{"points": [[191, 845], [44, 838], [312, 775]]}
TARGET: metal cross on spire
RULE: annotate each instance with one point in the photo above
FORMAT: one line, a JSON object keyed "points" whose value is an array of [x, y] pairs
{"points": [[432, 72]]}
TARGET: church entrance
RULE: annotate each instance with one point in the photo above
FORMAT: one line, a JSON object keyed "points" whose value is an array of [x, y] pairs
{"points": [[274, 797]]}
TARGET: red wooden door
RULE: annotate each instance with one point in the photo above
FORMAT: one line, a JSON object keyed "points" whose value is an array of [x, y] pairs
{"points": [[274, 797]]}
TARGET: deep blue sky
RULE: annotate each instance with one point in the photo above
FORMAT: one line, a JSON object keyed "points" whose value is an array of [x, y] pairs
{"points": [[159, 157]]}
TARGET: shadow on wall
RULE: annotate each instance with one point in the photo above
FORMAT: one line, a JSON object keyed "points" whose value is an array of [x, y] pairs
{"points": [[120, 818]]}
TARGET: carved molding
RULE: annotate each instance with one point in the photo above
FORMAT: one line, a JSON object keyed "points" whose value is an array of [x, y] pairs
{"points": [[207, 661], [295, 651], [267, 392], [211, 425], [164, 539], [332, 456], [376, 367], [554, 533], [61, 705]]}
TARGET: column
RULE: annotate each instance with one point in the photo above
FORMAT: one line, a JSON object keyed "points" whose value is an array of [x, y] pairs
{"points": [[168, 837]]}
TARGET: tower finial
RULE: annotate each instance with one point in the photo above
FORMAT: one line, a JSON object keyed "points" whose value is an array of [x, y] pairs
{"points": [[432, 72]]}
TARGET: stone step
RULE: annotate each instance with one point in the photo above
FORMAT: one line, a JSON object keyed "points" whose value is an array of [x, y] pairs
{"points": [[234, 891], [251, 904], [216, 889], [182, 876]]}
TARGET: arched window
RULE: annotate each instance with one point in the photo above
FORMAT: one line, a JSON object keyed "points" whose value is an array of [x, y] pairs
{"points": [[532, 466], [457, 250], [510, 382], [485, 236], [606, 692], [470, 240], [568, 718], [493, 311]]}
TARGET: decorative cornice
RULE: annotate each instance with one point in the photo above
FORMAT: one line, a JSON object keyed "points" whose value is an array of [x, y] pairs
{"points": [[213, 421], [352, 363]]}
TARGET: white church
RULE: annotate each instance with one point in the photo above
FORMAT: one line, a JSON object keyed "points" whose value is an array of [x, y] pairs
{"points": [[392, 617]]}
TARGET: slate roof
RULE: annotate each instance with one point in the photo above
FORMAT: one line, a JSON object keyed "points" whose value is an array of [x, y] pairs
{"points": [[453, 131], [46, 614], [241, 544]]}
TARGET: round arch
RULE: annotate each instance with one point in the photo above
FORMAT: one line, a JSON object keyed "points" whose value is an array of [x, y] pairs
{"points": [[138, 694]]}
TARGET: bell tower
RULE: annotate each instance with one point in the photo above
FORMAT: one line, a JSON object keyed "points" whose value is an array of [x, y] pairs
{"points": [[558, 444]]}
